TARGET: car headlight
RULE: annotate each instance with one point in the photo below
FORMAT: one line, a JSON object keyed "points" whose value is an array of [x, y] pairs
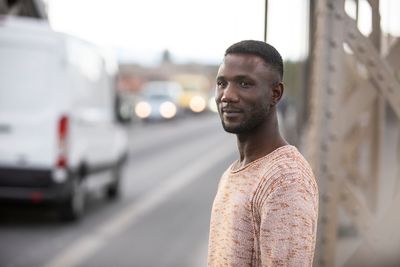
{"points": [[197, 104], [167, 110], [143, 109]]}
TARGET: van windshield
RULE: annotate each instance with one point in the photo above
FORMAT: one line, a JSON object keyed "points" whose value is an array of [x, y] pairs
{"points": [[25, 80]]}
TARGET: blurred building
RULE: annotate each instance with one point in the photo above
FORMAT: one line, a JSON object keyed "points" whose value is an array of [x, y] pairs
{"points": [[132, 76]]}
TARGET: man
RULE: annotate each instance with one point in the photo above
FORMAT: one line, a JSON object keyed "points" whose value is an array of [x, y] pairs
{"points": [[266, 208]]}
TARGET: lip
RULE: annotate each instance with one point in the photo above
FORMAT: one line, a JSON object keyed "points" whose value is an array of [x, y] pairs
{"points": [[229, 110], [231, 113]]}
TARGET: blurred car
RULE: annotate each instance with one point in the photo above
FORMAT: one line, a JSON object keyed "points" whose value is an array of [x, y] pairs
{"points": [[58, 135], [195, 91], [158, 101]]}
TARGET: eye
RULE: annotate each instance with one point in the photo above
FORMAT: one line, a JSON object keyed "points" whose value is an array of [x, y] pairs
{"points": [[244, 84], [221, 84]]}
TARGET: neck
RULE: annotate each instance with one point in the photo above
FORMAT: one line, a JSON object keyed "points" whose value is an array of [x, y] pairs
{"points": [[260, 142]]}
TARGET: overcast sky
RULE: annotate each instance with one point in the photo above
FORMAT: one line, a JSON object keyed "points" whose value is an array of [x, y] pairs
{"points": [[192, 30]]}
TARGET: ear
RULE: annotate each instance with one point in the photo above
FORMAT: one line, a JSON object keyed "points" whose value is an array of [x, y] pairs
{"points": [[277, 92]]}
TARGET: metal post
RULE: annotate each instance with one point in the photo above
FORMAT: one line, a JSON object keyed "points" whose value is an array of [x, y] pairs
{"points": [[266, 20], [327, 90]]}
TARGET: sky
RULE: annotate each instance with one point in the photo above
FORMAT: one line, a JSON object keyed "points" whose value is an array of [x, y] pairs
{"points": [[192, 30]]}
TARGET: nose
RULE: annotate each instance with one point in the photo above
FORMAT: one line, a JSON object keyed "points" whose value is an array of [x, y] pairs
{"points": [[228, 95]]}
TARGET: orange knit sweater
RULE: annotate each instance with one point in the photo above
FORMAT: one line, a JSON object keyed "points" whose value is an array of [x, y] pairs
{"points": [[265, 214]]}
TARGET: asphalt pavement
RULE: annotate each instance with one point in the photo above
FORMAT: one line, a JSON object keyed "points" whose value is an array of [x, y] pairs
{"points": [[162, 218]]}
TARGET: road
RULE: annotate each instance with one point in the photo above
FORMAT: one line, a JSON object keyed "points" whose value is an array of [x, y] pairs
{"points": [[162, 218]]}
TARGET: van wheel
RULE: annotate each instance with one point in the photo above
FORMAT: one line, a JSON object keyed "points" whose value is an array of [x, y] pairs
{"points": [[113, 190], [73, 208]]}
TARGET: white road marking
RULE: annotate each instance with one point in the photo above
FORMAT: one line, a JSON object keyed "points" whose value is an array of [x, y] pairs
{"points": [[86, 246]]}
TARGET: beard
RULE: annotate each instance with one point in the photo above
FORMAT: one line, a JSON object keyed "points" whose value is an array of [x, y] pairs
{"points": [[254, 118]]}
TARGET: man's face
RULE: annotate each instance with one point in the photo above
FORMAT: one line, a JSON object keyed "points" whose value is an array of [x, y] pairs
{"points": [[243, 92]]}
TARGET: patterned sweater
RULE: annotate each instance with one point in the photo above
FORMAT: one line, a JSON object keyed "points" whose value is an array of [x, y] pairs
{"points": [[265, 214]]}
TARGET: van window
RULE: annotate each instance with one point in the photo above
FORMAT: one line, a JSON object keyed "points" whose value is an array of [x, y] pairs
{"points": [[25, 80], [91, 83], [85, 59]]}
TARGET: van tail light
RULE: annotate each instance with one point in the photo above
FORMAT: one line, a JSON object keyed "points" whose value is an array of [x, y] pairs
{"points": [[61, 161], [63, 125]]}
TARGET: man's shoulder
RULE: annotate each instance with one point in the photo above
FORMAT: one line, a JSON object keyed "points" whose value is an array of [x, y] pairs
{"points": [[289, 163]]}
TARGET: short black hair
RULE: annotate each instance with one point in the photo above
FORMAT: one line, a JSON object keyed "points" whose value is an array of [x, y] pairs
{"points": [[266, 51]]}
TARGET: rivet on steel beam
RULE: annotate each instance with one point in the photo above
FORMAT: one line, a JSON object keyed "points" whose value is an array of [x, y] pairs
{"points": [[332, 137], [324, 168], [351, 35], [328, 114], [338, 16], [325, 198], [360, 49], [324, 147], [324, 220], [370, 62], [324, 239], [332, 43], [330, 5]]}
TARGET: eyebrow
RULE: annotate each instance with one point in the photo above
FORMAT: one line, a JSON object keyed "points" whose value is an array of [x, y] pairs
{"points": [[237, 77], [241, 77]]}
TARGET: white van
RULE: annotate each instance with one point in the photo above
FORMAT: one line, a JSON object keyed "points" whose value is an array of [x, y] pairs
{"points": [[58, 136]]}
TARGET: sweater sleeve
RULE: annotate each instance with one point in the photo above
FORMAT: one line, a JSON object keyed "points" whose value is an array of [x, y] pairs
{"points": [[288, 222]]}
